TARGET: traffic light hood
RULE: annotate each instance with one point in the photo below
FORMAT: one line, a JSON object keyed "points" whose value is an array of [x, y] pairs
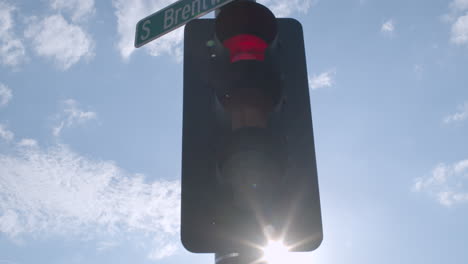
{"points": [[246, 29]]}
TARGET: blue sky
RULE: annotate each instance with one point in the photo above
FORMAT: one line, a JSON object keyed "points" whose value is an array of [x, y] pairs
{"points": [[90, 131]]}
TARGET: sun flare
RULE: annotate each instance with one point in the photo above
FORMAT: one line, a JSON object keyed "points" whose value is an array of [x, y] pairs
{"points": [[275, 253]]}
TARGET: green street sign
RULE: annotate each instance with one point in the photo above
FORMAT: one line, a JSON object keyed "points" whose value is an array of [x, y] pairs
{"points": [[172, 17]]}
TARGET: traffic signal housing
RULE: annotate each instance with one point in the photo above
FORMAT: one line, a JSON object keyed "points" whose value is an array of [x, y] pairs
{"points": [[248, 158]]}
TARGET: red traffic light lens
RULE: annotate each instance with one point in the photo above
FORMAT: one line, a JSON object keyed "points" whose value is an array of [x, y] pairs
{"points": [[246, 47]]}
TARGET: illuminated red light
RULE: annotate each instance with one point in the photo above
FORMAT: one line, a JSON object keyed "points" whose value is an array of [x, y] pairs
{"points": [[246, 47]]}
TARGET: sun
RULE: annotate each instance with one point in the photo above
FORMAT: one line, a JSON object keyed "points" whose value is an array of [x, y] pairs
{"points": [[275, 252]]}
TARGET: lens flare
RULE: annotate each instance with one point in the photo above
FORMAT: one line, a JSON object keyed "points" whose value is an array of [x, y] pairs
{"points": [[275, 253]]}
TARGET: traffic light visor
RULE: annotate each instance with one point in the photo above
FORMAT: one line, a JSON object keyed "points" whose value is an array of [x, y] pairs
{"points": [[247, 29]]}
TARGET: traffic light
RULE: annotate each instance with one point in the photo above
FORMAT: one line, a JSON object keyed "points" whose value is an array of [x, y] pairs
{"points": [[248, 159]]}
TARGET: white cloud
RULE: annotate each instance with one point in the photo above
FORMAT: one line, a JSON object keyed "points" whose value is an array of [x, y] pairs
{"points": [[56, 192], [169, 44], [388, 27], [461, 115], [6, 134], [65, 43], [458, 17], [459, 33], [106, 245], [283, 8], [12, 52], [78, 9], [459, 5], [164, 250], [72, 115], [5, 95], [325, 79], [461, 166], [449, 198], [27, 143], [447, 183]]}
